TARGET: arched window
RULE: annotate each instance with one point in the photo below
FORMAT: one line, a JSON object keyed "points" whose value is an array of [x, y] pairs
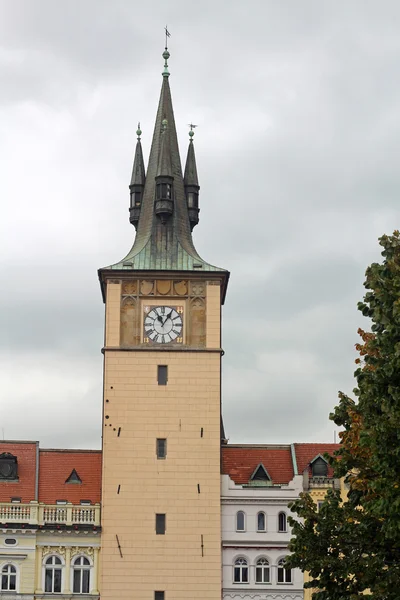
{"points": [[9, 578], [284, 575], [262, 571], [52, 575], [240, 521], [81, 569], [282, 527], [261, 522], [241, 571]]}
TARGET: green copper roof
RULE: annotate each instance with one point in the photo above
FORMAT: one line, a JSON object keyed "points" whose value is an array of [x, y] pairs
{"points": [[167, 246]]}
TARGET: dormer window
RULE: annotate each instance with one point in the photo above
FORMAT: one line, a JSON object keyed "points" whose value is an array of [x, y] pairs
{"points": [[319, 467], [192, 200], [136, 198], [260, 476], [164, 191]]}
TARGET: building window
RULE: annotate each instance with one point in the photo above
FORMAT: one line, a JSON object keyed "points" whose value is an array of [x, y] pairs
{"points": [[284, 575], [162, 374], [10, 542], [161, 447], [81, 569], [159, 595], [160, 524], [319, 467], [52, 575], [241, 571], [240, 521], [9, 578], [261, 522], [262, 571], [16, 500], [282, 527]]}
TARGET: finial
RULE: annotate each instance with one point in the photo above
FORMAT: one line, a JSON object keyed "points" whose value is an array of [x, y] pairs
{"points": [[166, 54], [138, 131], [191, 132]]}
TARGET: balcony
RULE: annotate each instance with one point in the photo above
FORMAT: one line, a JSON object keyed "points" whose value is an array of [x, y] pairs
{"points": [[49, 514]]}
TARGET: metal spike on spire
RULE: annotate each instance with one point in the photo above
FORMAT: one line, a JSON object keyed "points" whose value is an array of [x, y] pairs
{"points": [[191, 132], [166, 54]]}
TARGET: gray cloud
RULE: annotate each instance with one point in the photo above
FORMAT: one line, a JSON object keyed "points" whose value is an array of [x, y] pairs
{"points": [[297, 151]]}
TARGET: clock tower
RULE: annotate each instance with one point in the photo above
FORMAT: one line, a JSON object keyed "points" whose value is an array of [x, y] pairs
{"points": [[161, 536]]}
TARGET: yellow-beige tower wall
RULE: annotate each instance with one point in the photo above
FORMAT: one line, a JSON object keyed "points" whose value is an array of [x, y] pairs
{"points": [[135, 561]]}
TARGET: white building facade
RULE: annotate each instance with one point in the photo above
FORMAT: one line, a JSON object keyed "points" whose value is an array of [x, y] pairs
{"points": [[255, 532]]}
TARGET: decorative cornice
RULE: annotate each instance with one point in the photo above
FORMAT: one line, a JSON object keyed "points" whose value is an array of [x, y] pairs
{"points": [[161, 349], [264, 593], [264, 500], [255, 546]]}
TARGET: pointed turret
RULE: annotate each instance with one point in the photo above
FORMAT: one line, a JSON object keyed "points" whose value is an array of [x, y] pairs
{"points": [[138, 181], [191, 183]]}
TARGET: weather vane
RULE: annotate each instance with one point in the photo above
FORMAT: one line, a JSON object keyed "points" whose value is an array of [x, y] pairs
{"points": [[167, 35], [191, 132]]}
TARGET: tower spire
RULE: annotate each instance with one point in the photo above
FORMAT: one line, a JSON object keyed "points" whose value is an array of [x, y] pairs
{"points": [[191, 182], [165, 201]]}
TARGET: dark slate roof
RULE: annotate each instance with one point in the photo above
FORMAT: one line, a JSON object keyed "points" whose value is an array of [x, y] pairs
{"points": [[190, 177], [167, 246]]}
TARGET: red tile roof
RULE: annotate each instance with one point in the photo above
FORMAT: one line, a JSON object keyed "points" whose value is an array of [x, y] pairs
{"points": [[305, 453], [24, 488], [55, 468], [240, 461]]}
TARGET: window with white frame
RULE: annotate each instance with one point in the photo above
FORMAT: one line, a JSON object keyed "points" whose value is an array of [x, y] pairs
{"points": [[241, 571], [81, 575], [53, 575], [284, 575], [262, 571], [240, 521], [282, 524], [9, 578], [261, 522]]}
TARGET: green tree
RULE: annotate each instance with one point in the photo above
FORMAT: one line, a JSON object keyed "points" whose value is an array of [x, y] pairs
{"points": [[351, 547]]}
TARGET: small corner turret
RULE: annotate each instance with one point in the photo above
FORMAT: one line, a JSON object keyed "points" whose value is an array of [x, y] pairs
{"points": [[138, 181], [191, 182]]}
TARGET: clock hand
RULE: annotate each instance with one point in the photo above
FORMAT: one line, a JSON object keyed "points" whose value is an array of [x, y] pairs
{"points": [[168, 317], [159, 318]]}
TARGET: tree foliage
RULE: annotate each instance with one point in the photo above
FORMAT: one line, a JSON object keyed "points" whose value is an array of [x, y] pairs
{"points": [[351, 546]]}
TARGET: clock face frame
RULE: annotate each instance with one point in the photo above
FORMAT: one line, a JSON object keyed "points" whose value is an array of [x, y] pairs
{"points": [[162, 324]]}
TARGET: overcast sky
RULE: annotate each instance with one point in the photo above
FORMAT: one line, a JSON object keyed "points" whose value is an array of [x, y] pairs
{"points": [[298, 145]]}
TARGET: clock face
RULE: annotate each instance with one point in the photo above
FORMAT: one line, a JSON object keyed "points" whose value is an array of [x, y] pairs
{"points": [[163, 324]]}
